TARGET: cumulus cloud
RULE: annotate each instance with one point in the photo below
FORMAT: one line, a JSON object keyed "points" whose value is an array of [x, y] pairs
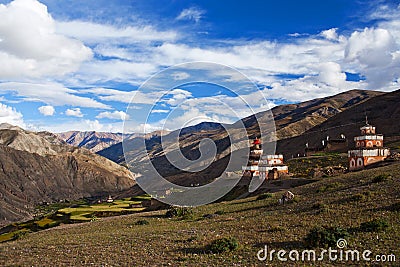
{"points": [[370, 47], [178, 76], [331, 74], [330, 34], [376, 54], [116, 115], [192, 13], [47, 110], [30, 46], [178, 96], [11, 115], [74, 112]]}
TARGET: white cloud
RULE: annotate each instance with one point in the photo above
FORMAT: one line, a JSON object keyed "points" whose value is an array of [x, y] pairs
{"points": [[192, 13], [297, 34], [307, 88], [177, 96], [96, 33], [330, 34], [134, 97], [189, 118], [83, 125], [29, 45], [178, 76], [269, 57], [376, 55], [50, 93], [386, 12], [371, 46], [159, 111], [116, 115], [74, 112], [331, 74], [10, 115], [47, 110], [118, 70]]}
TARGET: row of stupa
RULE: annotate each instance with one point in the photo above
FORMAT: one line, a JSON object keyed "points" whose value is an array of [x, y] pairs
{"points": [[368, 149]]}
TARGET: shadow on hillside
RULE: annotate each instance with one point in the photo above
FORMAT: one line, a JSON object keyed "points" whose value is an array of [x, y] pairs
{"points": [[395, 207]]}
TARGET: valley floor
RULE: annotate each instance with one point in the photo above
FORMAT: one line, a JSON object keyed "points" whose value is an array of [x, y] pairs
{"points": [[345, 201]]}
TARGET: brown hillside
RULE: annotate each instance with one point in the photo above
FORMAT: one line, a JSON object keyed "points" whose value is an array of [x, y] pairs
{"points": [[383, 112], [36, 168], [294, 119]]}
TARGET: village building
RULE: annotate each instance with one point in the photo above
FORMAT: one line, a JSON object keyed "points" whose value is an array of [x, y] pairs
{"points": [[369, 148], [264, 166]]}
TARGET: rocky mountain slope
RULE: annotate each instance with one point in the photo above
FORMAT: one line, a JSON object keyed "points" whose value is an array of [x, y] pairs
{"points": [[39, 167], [94, 141]]}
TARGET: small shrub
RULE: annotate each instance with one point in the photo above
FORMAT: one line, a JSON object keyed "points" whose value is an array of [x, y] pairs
{"points": [[142, 222], [318, 205], [264, 196], [358, 197], [380, 178], [220, 212], [376, 225], [94, 218], [224, 245], [19, 234], [325, 236], [210, 216], [179, 212]]}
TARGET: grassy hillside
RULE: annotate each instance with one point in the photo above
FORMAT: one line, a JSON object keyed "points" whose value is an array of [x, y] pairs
{"points": [[150, 239], [305, 167]]}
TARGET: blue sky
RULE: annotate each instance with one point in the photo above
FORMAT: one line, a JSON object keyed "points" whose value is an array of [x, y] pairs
{"points": [[75, 65]]}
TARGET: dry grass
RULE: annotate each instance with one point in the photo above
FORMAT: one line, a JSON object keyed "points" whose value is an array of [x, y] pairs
{"points": [[119, 241]]}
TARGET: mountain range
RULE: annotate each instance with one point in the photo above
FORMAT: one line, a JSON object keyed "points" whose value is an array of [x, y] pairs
{"points": [[44, 167], [94, 141], [294, 124]]}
